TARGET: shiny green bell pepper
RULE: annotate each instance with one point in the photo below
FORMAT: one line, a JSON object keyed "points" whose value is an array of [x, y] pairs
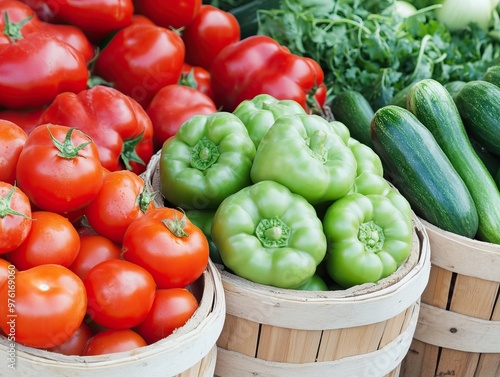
{"points": [[269, 235], [260, 113], [304, 153], [208, 159], [369, 237]]}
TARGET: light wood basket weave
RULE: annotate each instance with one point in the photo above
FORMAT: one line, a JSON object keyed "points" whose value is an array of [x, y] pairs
{"points": [[458, 331], [190, 351]]}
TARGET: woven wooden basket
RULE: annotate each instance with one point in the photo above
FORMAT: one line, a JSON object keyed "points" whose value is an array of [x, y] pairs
{"points": [[189, 352], [458, 331]]}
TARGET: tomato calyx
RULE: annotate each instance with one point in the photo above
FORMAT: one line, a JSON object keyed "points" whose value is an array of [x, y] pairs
{"points": [[129, 153], [66, 148], [188, 79], [5, 205], [176, 225], [12, 30], [144, 199]]}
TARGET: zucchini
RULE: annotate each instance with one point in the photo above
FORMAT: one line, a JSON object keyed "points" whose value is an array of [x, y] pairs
{"points": [[399, 98], [352, 108], [247, 17], [453, 87], [434, 107], [478, 103], [491, 161], [416, 165], [492, 75]]}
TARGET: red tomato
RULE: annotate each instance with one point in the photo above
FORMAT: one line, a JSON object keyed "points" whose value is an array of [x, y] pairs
{"points": [[76, 343], [169, 13], [52, 239], [196, 77], [17, 13], [211, 31], [7, 270], [49, 66], [15, 217], [94, 249], [49, 302], [171, 309], [172, 106], [59, 181], [167, 244], [26, 119], [112, 341], [12, 139], [72, 35], [95, 17], [121, 199], [141, 59], [119, 293]]}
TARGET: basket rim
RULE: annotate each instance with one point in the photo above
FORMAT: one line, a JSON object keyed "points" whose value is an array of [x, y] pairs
{"points": [[200, 334]]}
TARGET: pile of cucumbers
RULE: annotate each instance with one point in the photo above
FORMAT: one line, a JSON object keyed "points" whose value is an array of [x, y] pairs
{"points": [[440, 148]]}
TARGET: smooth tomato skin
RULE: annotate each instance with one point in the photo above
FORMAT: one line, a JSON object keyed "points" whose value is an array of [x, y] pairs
{"points": [[50, 304], [6, 269], [201, 77], [112, 341], [94, 249], [119, 293], [172, 106], [76, 343], [141, 59], [211, 31], [14, 228], [54, 183], [51, 239], [169, 13], [37, 68], [28, 120], [174, 261], [121, 199], [171, 309], [72, 35], [12, 139]]}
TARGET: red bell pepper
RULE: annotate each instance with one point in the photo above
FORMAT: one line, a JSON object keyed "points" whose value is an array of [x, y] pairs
{"points": [[260, 65], [119, 126]]}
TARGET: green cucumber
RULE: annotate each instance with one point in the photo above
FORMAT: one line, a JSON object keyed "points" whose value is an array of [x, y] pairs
{"points": [[434, 107], [352, 109], [491, 161], [419, 169], [478, 103], [492, 75]]}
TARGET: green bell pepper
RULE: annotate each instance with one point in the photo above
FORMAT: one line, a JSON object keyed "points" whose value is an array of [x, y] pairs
{"points": [[368, 238], [366, 158], [260, 113], [315, 283], [269, 235], [304, 153], [208, 159]]}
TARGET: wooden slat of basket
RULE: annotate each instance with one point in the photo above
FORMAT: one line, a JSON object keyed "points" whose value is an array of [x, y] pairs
{"points": [[489, 364], [377, 363], [475, 298], [394, 326], [421, 360], [205, 367], [466, 256], [240, 335], [472, 335], [288, 345]]}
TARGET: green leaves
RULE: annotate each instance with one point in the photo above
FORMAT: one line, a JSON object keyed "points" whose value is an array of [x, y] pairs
{"points": [[366, 46]]}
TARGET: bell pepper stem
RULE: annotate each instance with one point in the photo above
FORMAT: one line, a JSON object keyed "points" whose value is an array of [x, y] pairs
{"points": [[273, 232], [372, 236]]}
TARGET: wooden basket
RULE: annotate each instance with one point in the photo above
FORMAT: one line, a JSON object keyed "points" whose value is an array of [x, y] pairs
{"points": [[458, 332], [189, 352], [362, 331]]}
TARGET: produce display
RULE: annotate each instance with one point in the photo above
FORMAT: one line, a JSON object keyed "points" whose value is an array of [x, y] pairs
{"points": [[297, 140]]}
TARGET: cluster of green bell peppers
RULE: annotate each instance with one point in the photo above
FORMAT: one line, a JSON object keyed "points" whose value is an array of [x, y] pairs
{"points": [[284, 195]]}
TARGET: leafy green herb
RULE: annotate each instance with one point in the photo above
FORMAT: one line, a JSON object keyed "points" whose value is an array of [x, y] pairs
{"points": [[368, 47]]}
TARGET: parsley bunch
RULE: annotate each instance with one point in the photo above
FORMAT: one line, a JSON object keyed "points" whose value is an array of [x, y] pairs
{"points": [[368, 47]]}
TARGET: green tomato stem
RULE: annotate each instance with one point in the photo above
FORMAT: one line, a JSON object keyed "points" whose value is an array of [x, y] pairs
{"points": [[204, 154], [5, 205], [66, 148], [176, 225], [273, 232], [371, 236]]}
